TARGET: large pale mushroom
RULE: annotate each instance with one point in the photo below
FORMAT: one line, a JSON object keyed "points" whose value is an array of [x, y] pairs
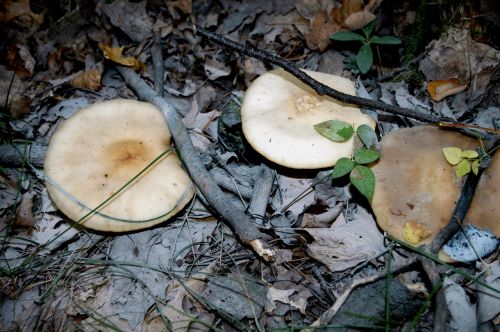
{"points": [[416, 189], [97, 151], [279, 112]]}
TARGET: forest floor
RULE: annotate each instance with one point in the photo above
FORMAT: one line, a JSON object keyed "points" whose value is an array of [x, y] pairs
{"points": [[282, 248]]}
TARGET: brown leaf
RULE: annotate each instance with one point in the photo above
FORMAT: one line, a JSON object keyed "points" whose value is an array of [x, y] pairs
{"points": [[358, 20], [19, 14], [184, 6], [356, 15], [20, 60], [90, 79], [115, 54], [323, 26], [343, 246], [24, 215], [440, 89]]}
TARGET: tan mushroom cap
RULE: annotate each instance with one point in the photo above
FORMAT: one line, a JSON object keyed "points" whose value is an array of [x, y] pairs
{"points": [[484, 211], [415, 186], [279, 112], [102, 147]]}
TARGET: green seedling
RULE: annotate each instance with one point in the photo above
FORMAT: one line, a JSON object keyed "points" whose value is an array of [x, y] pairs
{"points": [[364, 59], [360, 175], [464, 161]]}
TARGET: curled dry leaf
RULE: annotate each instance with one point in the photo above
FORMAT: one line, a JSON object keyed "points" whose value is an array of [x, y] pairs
{"points": [[356, 16], [20, 60], [24, 215], [346, 245], [326, 17], [115, 54], [440, 89], [19, 13], [90, 79]]}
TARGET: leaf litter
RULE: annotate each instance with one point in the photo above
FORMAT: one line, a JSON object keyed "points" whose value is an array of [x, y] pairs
{"points": [[190, 272]]}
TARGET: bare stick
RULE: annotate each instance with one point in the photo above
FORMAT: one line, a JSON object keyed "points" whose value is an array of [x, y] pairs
{"points": [[328, 315], [158, 68], [235, 218], [320, 88], [261, 192], [16, 155]]}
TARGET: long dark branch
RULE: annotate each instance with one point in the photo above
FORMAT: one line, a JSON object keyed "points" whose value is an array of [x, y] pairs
{"points": [[320, 88]]}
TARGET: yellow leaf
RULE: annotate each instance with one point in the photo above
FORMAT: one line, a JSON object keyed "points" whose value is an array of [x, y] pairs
{"points": [[462, 168], [90, 79], [475, 166], [440, 89], [115, 54], [452, 155], [470, 154], [414, 232]]}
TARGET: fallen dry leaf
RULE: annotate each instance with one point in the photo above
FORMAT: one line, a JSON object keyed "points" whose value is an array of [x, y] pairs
{"points": [[358, 20], [440, 89], [462, 311], [323, 26], [284, 296], [183, 6], [24, 215], [488, 300], [115, 54], [90, 79], [356, 15], [19, 14], [20, 60], [414, 232], [344, 246]]}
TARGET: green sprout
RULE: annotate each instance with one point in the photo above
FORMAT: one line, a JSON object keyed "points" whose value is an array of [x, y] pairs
{"points": [[360, 175], [364, 59]]}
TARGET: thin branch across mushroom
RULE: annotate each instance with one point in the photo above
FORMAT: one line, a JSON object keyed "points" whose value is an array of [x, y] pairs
{"points": [[279, 113]]}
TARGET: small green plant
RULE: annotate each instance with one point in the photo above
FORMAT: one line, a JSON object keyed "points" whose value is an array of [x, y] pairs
{"points": [[360, 175], [364, 59], [463, 160]]}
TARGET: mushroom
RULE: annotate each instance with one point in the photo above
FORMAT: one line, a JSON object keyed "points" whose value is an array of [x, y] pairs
{"points": [[416, 189], [279, 112], [98, 150]]}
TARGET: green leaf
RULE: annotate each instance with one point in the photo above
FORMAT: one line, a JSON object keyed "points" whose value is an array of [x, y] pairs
{"points": [[335, 130], [385, 40], [452, 155], [347, 36], [368, 29], [364, 58], [366, 156], [475, 166], [364, 180], [462, 168], [342, 167], [367, 135], [470, 154]]}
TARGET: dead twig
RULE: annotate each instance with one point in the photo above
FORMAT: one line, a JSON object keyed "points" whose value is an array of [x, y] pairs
{"points": [[261, 192], [158, 69], [328, 315], [320, 88], [15, 154]]}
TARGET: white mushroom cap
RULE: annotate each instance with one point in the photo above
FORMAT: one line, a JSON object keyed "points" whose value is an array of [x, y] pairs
{"points": [[102, 147], [279, 113]]}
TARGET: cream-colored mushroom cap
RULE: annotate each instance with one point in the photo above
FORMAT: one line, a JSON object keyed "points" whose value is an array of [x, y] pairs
{"points": [[279, 112], [416, 190], [102, 147]]}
